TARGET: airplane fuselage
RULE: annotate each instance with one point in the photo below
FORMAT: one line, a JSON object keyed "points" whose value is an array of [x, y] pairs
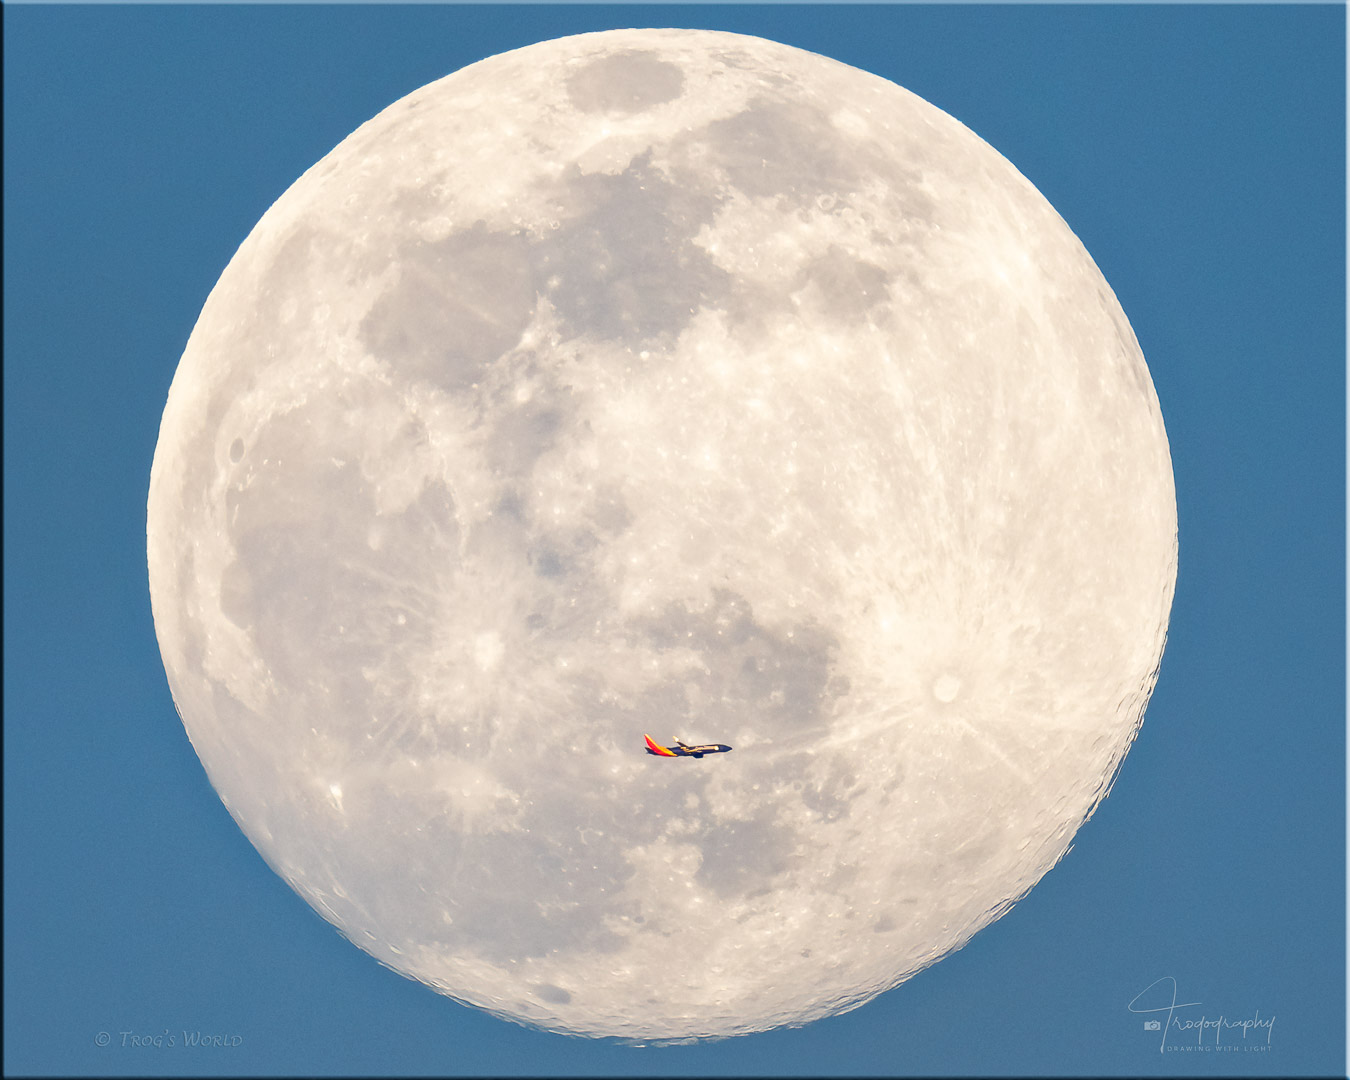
{"points": [[685, 750]]}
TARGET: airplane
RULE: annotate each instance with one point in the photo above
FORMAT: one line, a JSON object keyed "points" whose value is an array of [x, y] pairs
{"points": [[684, 749]]}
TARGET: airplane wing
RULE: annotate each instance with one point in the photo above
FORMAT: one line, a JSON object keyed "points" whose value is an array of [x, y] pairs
{"points": [[660, 751]]}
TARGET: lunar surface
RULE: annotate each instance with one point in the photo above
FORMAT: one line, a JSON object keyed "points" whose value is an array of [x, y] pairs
{"points": [[665, 382]]}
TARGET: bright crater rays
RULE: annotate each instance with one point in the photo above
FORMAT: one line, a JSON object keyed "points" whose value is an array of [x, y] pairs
{"points": [[673, 382]]}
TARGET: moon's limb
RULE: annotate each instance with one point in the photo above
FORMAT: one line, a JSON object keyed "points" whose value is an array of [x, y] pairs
{"points": [[711, 388]]}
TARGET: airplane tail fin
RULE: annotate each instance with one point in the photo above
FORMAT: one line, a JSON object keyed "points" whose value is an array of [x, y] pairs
{"points": [[653, 748]]}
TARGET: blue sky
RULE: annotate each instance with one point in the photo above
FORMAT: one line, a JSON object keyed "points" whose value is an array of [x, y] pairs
{"points": [[1198, 152]]}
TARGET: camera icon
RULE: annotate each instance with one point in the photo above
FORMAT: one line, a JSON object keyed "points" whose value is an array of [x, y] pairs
{"points": [[1152, 1025]]}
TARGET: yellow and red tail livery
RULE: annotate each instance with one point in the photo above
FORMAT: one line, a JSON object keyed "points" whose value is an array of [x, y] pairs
{"points": [[661, 751]]}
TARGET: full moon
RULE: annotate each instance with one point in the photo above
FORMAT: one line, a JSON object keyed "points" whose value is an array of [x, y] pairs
{"points": [[678, 383]]}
